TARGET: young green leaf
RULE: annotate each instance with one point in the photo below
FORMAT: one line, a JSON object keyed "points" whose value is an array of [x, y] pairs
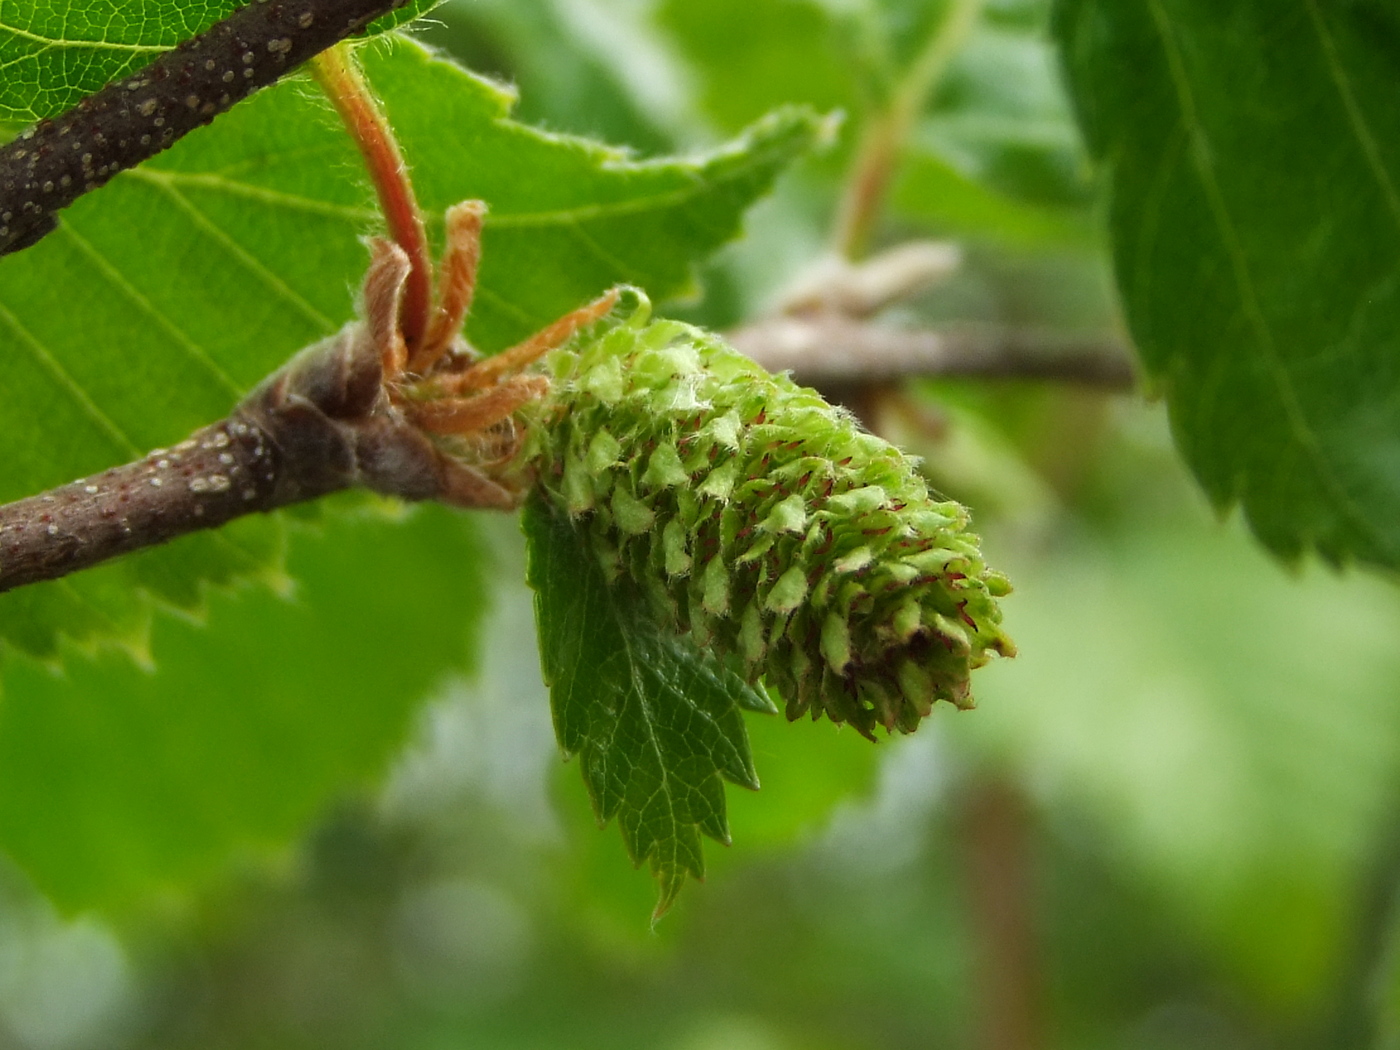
{"points": [[165, 296], [654, 721], [1251, 150]]}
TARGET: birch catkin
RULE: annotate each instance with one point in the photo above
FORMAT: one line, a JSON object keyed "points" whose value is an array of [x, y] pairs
{"points": [[767, 524]]}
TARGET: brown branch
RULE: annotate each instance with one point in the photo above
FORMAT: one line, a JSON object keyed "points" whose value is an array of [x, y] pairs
{"points": [[327, 421], [55, 162], [998, 838], [222, 471], [322, 423], [822, 349]]}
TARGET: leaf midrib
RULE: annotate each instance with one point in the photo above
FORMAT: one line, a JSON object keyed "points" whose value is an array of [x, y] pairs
{"points": [[654, 745], [1365, 137], [55, 44], [1298, 424]]}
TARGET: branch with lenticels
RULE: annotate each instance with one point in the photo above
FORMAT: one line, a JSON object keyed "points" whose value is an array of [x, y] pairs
{"points": [[52, 164], [352, 410]]}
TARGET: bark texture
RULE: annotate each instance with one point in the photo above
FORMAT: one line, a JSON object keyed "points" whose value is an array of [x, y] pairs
{"points": [[55, 162], [322, 423]]}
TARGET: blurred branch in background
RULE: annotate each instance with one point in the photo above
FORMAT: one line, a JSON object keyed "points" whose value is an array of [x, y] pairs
{"points": [[997, 838], [828, 349], [825, 331]]}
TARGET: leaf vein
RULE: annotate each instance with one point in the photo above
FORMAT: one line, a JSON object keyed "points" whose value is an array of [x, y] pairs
{"points": [[1369, 145], [604, 256], [248, 261], [69, 385], [169, 181], [54, 43], [125, 287], [1297, 420], [635, 665]]}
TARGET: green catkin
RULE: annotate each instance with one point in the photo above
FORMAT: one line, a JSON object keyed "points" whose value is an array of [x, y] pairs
{"points": [[766, 523]]}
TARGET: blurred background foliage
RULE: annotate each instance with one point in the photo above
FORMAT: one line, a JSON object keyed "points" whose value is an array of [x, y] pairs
{"points": [[1171, 823]]}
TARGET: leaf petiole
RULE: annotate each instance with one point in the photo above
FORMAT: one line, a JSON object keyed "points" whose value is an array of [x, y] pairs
{"points": [[884, 138], [340, 77]]}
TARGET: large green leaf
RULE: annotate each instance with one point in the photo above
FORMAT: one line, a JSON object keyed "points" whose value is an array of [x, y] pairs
{"points": [[160, 300], [163, 297], [119, 781], [751, 55], [1252, 151], [53, 52], [1003, 116], [655, 723]]}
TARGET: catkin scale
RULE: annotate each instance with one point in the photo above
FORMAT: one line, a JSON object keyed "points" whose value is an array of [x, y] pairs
{"points": [[766, 523]]}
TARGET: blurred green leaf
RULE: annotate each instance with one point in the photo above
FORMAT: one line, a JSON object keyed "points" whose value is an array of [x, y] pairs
{"points": [[122, 782], [579, 66], [1002, 118], [209, 266], [933, 192], [99, 605], [1385, 1004], [995, 157], [809, 768], [654, 722], [1019, 14], [54, 52], [1233, 732], [752, 55], [1250, 149]]}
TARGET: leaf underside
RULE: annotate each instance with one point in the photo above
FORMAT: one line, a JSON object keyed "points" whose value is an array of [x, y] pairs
{"points": [[1255, 212], [655, 722]]}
